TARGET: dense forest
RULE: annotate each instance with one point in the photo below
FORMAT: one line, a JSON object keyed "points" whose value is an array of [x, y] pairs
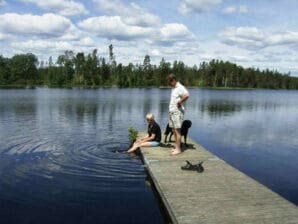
{"points": [[90, 70]]}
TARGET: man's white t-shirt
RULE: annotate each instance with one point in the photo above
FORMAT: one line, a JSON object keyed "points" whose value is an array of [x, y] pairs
{"points": [[177, 93]]}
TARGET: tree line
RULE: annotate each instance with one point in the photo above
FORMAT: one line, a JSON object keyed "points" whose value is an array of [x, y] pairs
{"points": [[90, 70]]}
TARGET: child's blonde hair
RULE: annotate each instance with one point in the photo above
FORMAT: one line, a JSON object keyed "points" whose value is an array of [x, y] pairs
{"points": [[150, 116]]}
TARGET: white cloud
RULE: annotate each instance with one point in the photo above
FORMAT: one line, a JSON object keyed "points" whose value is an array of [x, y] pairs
{"points": [[47, 25], [87, 41], [131, 14], [239, 58], [236, 9], [207, 56], [6, 37], [175, 31], [41, 45], [2, 3], [113, 27], [243, 9], [155, 52], [252, 38], [285, 38], [62, 7], [72, 34], [130, 22], [230, 9], [197, 6], [52, 45], [2, 36], [246, 37]]}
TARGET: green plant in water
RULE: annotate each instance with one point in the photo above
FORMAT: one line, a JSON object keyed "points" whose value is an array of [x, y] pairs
{"points": [[132, 134]]}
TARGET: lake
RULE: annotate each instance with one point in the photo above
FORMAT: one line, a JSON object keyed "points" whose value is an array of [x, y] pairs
{"points": [[57, 160]]}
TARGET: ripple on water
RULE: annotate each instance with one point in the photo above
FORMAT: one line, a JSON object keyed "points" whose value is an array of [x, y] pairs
{"points": [[44, 169]]}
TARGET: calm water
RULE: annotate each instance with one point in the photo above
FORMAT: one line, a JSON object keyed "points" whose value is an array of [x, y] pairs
{"points": [[56, 149]]}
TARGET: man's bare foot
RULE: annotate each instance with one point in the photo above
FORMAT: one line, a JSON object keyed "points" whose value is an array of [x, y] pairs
{"points": [[175, 152]]}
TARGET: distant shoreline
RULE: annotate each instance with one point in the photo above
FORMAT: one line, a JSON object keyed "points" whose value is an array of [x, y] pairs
{"points": [[136, 87]]}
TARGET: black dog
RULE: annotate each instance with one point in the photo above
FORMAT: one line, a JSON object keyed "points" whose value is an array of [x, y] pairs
{"points": [[184, 131]]}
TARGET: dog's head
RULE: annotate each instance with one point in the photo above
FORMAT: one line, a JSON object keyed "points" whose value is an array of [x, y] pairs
{"points": [[186, 124]]}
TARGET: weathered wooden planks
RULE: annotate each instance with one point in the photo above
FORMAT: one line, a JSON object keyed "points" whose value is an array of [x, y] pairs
{"points": [[219, 195]]}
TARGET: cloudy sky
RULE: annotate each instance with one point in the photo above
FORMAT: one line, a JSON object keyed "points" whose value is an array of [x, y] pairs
{"points": [[259, 33]]}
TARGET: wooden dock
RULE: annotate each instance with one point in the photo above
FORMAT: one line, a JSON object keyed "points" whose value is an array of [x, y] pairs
{"points": [[219, 195]]}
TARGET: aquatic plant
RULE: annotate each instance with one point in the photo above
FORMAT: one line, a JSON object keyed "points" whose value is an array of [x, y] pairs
{"points": [[132, 134]]}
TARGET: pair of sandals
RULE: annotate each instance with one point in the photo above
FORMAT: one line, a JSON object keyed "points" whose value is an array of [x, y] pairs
{"points": [[193, 167]]}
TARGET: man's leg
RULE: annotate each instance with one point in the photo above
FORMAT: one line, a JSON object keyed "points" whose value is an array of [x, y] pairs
{"points": [[177, 133], [177, 123]]}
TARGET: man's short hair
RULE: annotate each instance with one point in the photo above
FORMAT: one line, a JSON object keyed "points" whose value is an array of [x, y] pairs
{"points": [[171, 77]]}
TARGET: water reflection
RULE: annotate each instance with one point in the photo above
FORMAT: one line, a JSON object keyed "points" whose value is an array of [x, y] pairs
{"points": [[56, 147], [257, 134], [219, 108], [58, 156], [246, 119]]}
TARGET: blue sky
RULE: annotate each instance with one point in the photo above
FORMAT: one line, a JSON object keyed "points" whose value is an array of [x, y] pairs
{"points": [[256, 33]]}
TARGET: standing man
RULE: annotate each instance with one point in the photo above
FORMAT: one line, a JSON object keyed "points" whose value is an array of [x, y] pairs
{"points": [[176, 110]]}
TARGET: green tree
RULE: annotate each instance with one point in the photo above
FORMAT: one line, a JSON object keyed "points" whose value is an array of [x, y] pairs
{"points": [[66, 68], [104, 70], [148, 71], [164, 70], [79, 63], [79, 69], [4, 71], [23, 69]]}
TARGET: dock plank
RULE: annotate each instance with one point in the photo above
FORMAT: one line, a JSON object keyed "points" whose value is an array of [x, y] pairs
{"points": [[221, 194]]}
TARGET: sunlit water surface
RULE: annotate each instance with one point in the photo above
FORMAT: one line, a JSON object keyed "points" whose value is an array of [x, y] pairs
{"points": [[56, 148]]}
